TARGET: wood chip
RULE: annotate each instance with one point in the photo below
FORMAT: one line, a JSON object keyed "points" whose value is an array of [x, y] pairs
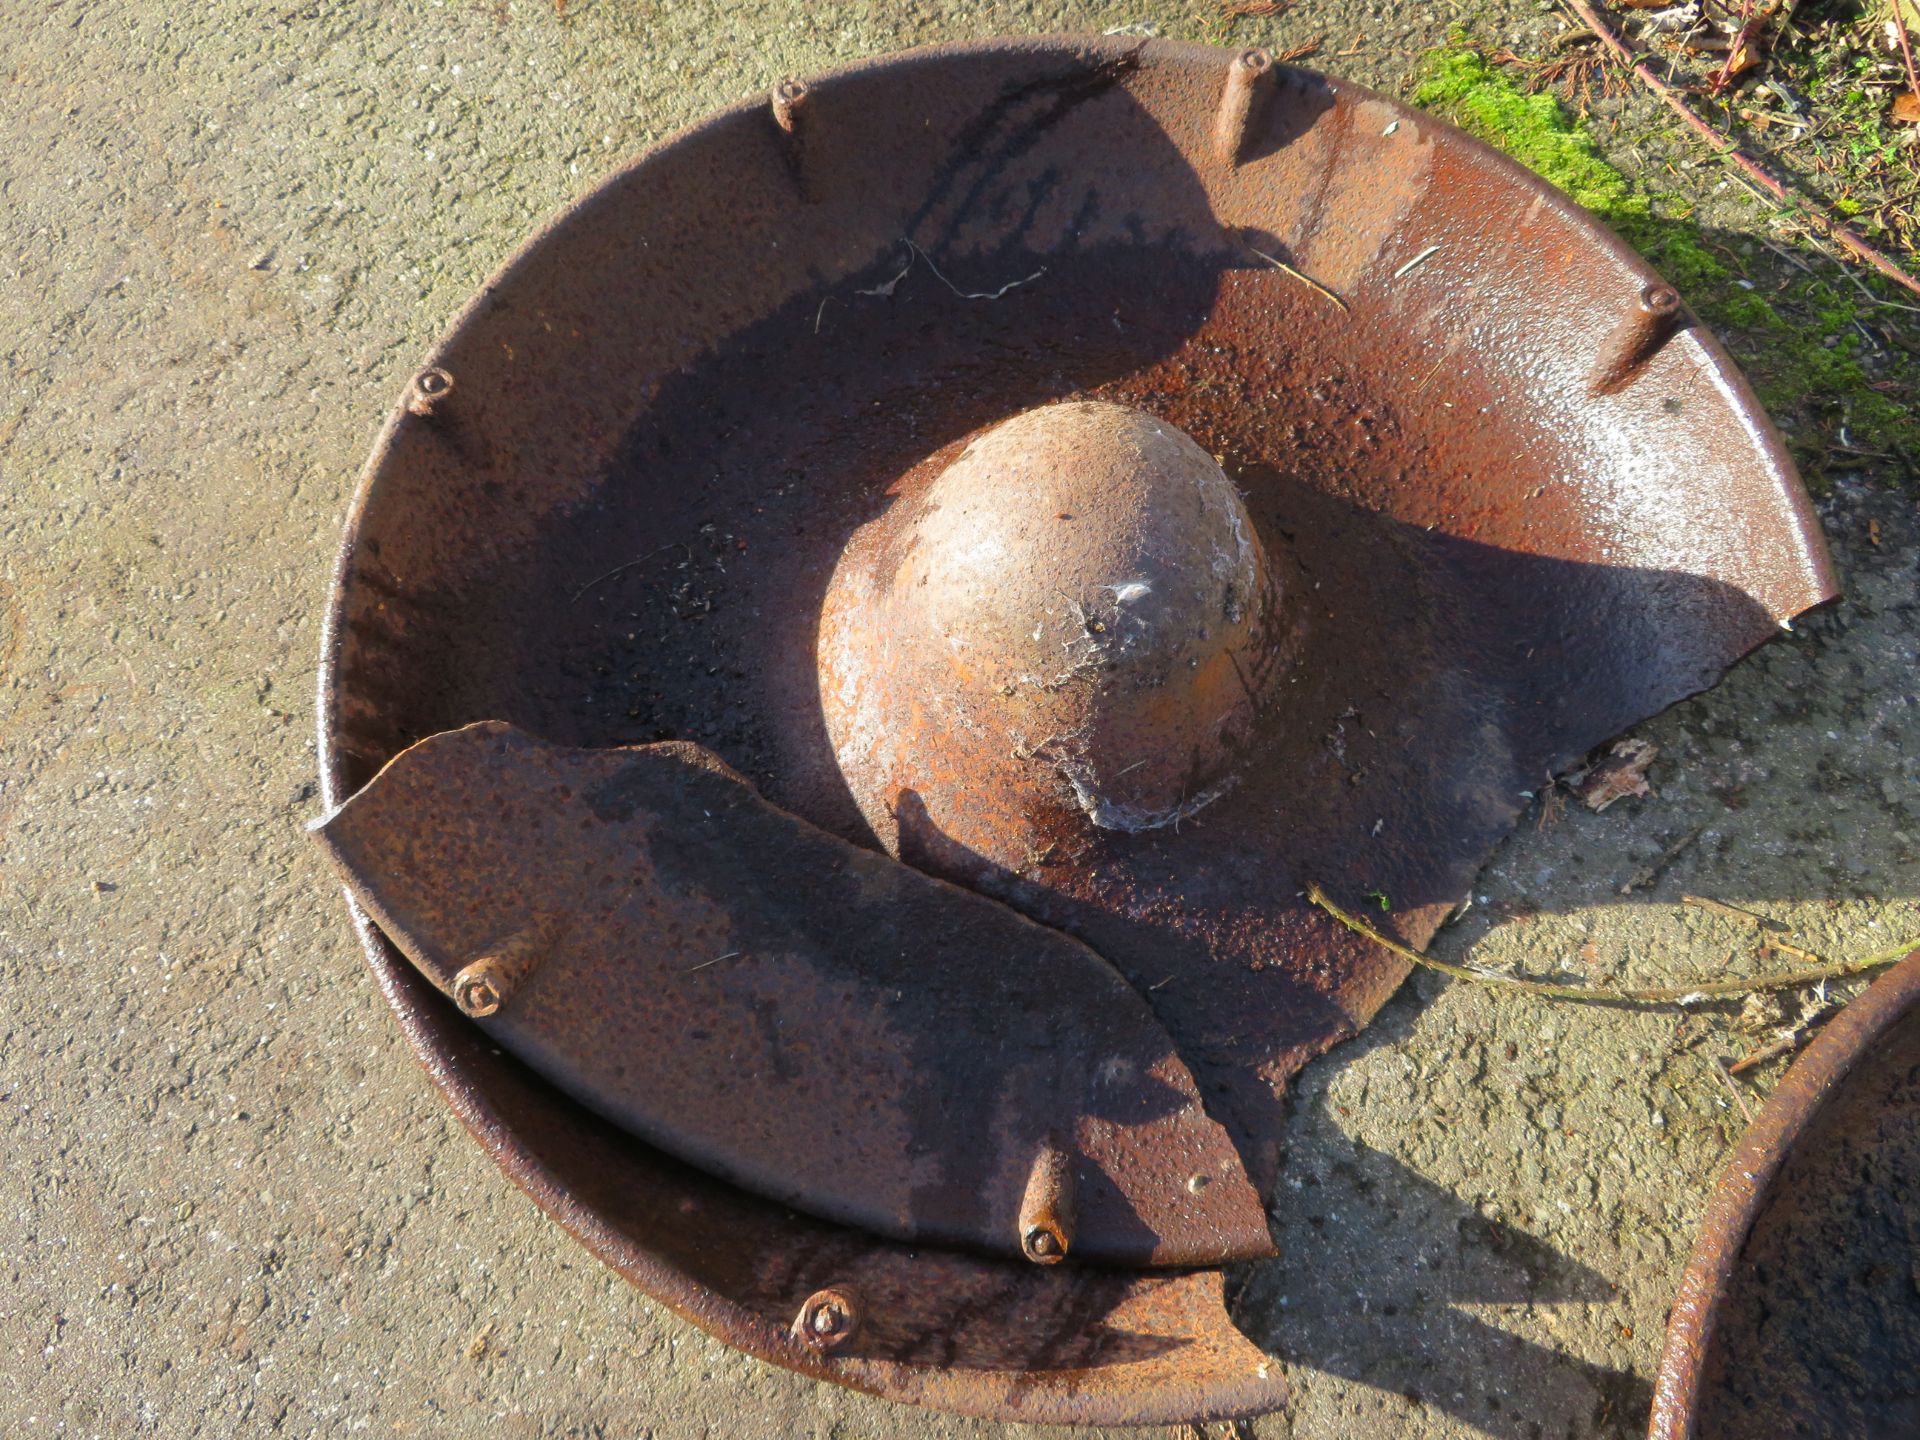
{"points": [[1621, 775]]}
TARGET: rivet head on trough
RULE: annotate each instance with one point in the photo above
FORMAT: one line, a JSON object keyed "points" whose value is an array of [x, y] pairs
{"points": [[1047, 1209], [427, 390], [1247, 76], [1638, 335], [828, 1320]]}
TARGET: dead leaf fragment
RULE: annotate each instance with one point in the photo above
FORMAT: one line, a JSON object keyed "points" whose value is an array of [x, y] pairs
{"points": [[1743, 60], [1906, 108], [1622, 774]]}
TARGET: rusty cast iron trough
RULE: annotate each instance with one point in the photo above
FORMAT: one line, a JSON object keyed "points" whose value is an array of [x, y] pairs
{"points": [[1799, 1313], [847, 657]]}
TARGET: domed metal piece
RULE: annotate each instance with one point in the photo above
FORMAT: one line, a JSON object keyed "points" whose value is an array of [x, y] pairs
{"points": [[1510, 501], [1076, 612]]}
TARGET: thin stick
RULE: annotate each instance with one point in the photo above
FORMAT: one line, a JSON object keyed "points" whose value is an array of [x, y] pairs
{"points": [[1741, 37], [1767, 1052], [1732, 912], [1306, 280], [1791, 951], [1841, 233], [714, 961], [1685, 994], [1906, 48], [1719, 1067], [1648, 874]]}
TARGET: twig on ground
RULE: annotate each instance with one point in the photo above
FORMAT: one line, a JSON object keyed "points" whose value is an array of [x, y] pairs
{"points": [[1740, 47], [1553, 804], [1779, 1046], [1682, 994], [1732, 912], [1813, 1010], [1841, 233], [1647, 874], [1906, 47], [1719, 1067]]}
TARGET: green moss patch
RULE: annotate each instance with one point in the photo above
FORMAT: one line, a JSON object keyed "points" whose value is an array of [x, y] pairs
{"points": [[1800, 346]]}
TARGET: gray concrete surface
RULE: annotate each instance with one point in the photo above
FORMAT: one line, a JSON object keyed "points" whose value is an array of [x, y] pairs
{"points": [[231, 1206]]}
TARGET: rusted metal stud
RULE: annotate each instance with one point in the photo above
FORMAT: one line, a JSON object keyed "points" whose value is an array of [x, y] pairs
{"points": [[427, 390], [1240, 102], [828, 1320], [793, 113], [1636, 338], [1046, 1211], [481, 988]]}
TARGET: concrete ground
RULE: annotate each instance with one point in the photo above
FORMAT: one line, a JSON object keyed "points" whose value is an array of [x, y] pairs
{"points": [[232, 1206]]}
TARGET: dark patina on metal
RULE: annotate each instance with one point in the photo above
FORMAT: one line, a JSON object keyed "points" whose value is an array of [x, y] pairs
{"points": [[1499, 499], [796, 1014], [1799, 1313]]}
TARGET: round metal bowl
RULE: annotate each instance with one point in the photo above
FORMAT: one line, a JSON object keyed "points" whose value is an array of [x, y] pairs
{"points": [[1544, 505], [1799, 1313]]}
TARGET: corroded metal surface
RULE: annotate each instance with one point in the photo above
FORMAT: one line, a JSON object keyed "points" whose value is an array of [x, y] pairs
{"points": [[1004, 1338], [798, 1015], [1075, 619], [1799, 1313], [1518, 505]]}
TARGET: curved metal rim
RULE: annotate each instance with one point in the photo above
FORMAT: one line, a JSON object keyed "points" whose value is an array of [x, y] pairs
{"points": [[660, 1279], [1791, 1112]]}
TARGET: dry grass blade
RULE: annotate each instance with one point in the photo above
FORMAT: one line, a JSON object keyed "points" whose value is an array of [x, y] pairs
{"points": [[1307, 280], [1686, 993], [1254, 9]]}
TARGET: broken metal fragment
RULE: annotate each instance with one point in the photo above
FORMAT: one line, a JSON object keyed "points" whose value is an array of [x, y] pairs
{"points": [[806, 1018]]}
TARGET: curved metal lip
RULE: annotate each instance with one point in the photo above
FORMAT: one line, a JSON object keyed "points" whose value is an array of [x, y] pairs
{"points": [[1013, 1398], [1791, 1112]]}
